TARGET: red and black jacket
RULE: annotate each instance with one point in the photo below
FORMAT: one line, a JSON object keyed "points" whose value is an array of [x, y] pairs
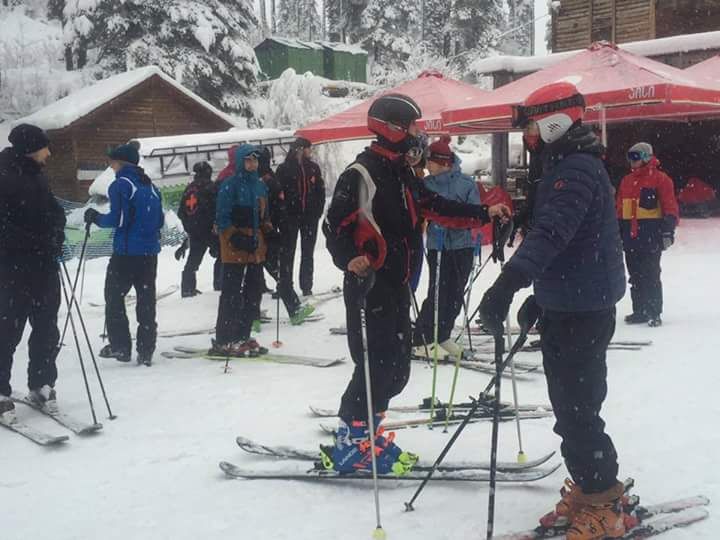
{"points": [[390, 233], [303, 186]]}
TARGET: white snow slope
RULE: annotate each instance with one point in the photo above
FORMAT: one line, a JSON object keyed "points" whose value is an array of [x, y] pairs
{"points": [[153, 474]]}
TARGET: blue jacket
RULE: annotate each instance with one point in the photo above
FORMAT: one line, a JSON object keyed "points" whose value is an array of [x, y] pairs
{"points": [[573, 252], [242, 190], [454, 186], [136, 213]]}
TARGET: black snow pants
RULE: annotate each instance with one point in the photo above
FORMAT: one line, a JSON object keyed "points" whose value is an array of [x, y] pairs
{"points": [[388, 334], [239, 302], [645, 285], [455, 269], [574, 347], [273, 260], [123, 273], [29, 292], [308, 237], [198, 247]]}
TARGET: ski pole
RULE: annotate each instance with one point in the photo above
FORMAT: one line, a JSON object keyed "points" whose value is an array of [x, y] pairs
{"points": [[365, 285], [500, 239], [82, 281], [73, 300], [77, 275], [499, 348], [522, 457], [477, 309], [527, 316], [417, 317], [277, 343], [466, 305], [68, 302], [466, 328], [436, 293]]}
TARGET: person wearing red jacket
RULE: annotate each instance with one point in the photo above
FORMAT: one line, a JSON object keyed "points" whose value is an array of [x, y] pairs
{"points": [[648, 213]]}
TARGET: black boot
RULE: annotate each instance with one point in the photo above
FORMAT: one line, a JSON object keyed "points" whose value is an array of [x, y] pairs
{"points": [[188, 284], [108, 352], [636, 318]]}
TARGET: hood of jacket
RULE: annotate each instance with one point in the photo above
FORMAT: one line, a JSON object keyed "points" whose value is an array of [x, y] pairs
{"points": [[135, 174]]}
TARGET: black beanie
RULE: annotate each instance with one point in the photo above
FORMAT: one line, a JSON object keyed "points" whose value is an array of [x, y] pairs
{"points": [[202, 169], [27, 139]]}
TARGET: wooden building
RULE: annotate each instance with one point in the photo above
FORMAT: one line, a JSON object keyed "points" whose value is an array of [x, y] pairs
{"points": [[84, 125], [578, 23]]}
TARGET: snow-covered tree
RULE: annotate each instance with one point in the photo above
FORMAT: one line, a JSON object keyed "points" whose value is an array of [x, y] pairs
{"points": [[204, 44], [335, 17], [435, 32], [387, 31], [475, 24], [520, 37], [299, 19]]}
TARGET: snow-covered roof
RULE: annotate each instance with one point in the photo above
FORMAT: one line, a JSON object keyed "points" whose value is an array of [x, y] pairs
{"points": [[294, 43], [150, 144], [651, 47], [71, 108], [344, 47]]}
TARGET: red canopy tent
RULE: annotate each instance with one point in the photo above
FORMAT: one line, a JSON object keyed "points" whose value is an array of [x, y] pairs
{"points": [[617, 86], [431, 91], [710, 69]]}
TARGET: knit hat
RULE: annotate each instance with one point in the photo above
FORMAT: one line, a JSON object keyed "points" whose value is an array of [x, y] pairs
{"points": [[27, 139], [202, 169], [440, 152], [641, 150], [126, 152]]}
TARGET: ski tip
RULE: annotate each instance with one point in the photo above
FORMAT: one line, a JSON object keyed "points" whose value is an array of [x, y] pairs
{"points": [[91, 429]]}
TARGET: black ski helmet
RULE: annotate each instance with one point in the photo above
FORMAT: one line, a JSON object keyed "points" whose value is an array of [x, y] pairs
{"points": [[390, 116]]}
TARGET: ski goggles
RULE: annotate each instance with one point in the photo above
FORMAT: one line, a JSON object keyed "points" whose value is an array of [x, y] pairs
{"points": [[415, 153], [638, 156]]}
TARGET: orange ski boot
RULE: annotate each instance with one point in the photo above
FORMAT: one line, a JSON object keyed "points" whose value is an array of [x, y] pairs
{"points": [[598, 516], [565, 508]]}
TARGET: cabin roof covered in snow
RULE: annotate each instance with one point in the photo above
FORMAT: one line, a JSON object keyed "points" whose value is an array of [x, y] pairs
{"points": [[77, 105], [343, 47], [651, 47]]}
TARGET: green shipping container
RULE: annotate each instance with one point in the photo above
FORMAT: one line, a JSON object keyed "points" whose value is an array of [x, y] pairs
{"points": [[276, 54]]}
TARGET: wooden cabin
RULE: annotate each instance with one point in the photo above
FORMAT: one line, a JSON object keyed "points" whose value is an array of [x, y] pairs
{"points": [[84, 125], [578, 23]]}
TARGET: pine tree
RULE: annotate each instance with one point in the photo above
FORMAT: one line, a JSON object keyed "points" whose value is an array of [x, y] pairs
{"points": [[521, 14], [299, 19], [435, 27], [475, 24], [203, 44], [388, 32]]}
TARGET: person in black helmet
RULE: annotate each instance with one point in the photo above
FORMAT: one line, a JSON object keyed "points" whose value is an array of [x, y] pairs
{"points": [[304, 189], [197, 213], [371, 228]]}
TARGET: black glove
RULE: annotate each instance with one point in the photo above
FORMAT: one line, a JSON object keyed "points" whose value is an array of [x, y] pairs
{"points": [[180, 252], [496, 301], [361, 286], [501, 234], [91, 215], [668, 239]]}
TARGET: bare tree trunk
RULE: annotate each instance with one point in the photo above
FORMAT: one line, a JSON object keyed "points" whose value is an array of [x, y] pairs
{"points": [[263, 17], [69, 58], [272, 17]]}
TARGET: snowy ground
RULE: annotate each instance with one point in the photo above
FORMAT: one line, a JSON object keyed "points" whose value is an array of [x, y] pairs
{"points": [[152, 473]]}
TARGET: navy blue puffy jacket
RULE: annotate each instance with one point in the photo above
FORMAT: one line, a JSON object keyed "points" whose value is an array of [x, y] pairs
{"points": [[573, 252]]}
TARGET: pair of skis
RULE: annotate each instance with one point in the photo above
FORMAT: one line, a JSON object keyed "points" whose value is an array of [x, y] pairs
{"points": [[199, 352], [40, 437], [131, 299], [466, 471]]}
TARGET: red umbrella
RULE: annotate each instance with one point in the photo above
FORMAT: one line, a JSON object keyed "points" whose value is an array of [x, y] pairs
{"points": [[710, 69], [616, 84], [431, 91]]}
